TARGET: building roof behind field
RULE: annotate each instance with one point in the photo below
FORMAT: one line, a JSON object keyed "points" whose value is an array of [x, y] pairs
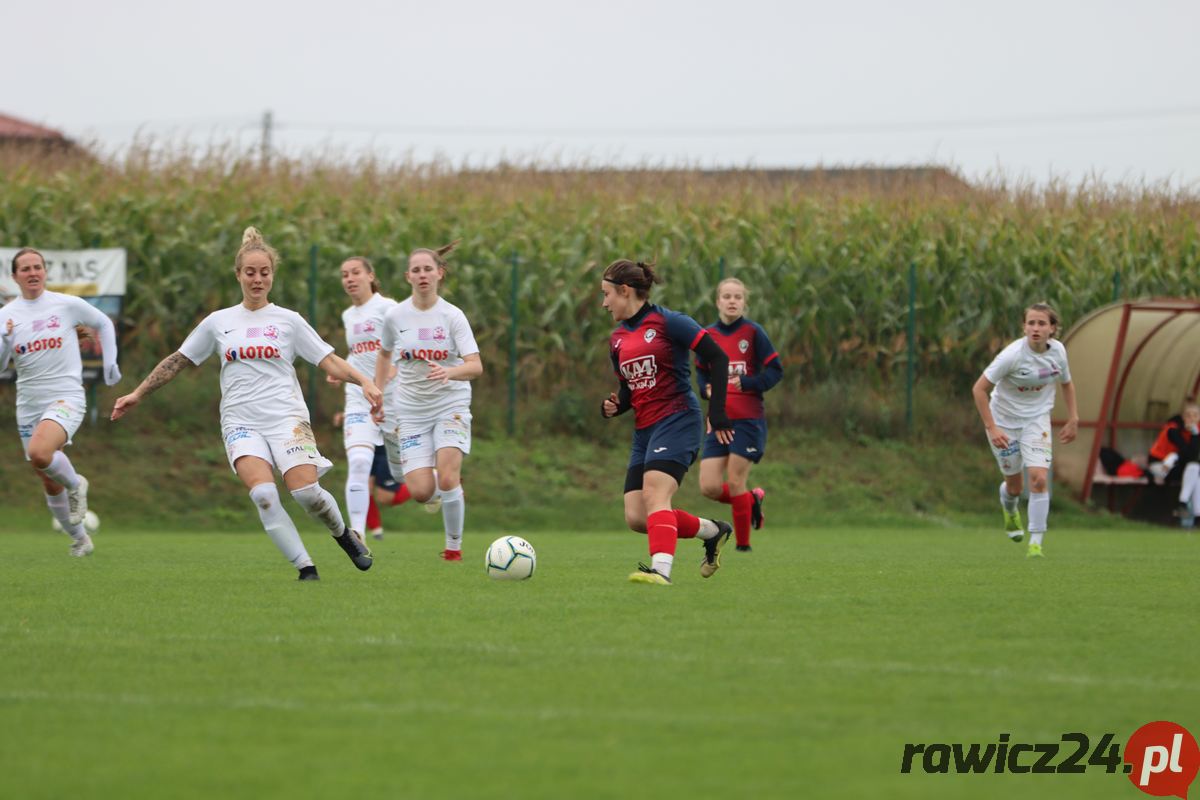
{"points": [[14, 128]]}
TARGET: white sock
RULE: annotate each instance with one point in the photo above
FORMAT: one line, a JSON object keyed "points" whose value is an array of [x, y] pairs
{"points": [[358, 487], [1039, 510], [1036, 538], [321, 506], [61, 471], [708, 528], [454, 514], [279, 525], [60, 509], [1190, 474], [1007, 501], [661, 563]]}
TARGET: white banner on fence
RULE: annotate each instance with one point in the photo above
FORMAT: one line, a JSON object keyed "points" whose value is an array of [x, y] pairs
{"points": [[86, 273]]}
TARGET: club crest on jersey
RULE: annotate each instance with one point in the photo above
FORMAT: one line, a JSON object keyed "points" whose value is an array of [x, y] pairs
{"points": [[640, 373], [52, 322], [743, 346], [650, 334], [437, 334], [271, 332], [364, 327]]}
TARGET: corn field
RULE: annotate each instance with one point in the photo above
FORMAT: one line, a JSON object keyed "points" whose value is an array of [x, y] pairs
{"points": [[827, 269]]}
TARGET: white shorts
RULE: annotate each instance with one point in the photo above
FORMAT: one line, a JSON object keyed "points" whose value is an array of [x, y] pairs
{"points": [[1028, 446], [285, 445], [414, 443], [358, 428], [68, 413]]}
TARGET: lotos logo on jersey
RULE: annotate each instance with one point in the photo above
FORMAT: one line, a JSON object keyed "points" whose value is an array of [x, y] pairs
{"points": [[369, 346], [424, 354], [38, 345], [640, 373], [252, 351]]}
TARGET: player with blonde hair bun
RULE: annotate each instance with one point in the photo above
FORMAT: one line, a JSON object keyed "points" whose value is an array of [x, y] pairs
{"points": [[264, 420]]}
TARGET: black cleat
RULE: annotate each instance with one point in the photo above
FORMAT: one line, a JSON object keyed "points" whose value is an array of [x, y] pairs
{"points": [[712, 549], [1183, 510], [756, 512], [352, 542], [308, 574], [743, 548]]}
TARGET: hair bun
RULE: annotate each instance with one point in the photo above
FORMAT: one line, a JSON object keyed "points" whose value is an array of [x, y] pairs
{"points": [[251, 236]]}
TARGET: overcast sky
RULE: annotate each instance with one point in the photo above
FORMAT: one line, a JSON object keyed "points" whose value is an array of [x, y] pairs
{"points": [[1031, 89]]}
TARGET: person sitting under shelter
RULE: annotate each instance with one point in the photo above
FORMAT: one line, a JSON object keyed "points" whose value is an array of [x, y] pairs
{"points": [[1175, 456]]}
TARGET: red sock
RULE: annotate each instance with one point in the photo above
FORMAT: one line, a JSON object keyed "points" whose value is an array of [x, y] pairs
{"points": [[687, 525], [662, 532], [741, 517], [401, 495], [373, 519], [724, 498]]}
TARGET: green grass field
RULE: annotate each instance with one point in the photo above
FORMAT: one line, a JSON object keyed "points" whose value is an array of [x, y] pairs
{"points": [[193, 665]]}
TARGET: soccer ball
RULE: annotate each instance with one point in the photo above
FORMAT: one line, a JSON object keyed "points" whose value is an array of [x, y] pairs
{"points": [[511, 558], [91, 522]]}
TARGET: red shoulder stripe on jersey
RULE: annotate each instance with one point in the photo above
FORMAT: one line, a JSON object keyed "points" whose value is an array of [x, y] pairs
{"points": [[696, 341], [771, 358]]}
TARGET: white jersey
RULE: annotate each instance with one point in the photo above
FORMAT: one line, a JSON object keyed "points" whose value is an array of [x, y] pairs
{"points": [[363, 325], [45, 345], [257, 348], [1025, 381], [440, 334]]}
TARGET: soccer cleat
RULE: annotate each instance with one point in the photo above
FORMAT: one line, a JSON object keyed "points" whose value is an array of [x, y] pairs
{"points": [[756, 513], [309, 573], [712, 549], [352, 542], [645, 574], [1012, 525], [82, 547], [376, 533], [451, 555], [743, 548], [1034, 551], [77, 501]]}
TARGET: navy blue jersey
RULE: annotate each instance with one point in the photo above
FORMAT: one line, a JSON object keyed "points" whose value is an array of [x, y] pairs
{"points": [[649, 352]]}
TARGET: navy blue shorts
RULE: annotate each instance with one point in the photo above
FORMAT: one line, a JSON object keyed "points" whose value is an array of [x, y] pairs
{"points": [[673, 440], [749, 441], [381, 472]]}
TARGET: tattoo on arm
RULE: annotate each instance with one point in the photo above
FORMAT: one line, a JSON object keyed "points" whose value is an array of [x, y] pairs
{"points": [[167, 369]]}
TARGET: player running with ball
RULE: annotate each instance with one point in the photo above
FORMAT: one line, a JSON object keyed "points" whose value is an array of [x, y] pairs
{"points": [[38, 328], [1021, 380], [264, 420], [649, 351]]}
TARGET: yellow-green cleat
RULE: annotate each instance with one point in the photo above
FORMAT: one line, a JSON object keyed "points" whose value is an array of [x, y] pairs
{"points": [[1034, 551], [645, 574], [1012, 525]]}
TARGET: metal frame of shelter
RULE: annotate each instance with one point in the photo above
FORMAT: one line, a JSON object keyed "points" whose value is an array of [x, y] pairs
{"points": [[1150, 353]]}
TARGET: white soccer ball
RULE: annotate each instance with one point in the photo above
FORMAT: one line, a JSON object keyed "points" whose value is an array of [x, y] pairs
{"points": [[91, 522], [511, 558]]}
